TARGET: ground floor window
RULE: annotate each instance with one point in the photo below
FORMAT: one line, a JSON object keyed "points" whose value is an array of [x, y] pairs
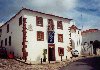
{"points": [[61, 51], [9, 40], [5, 41]]}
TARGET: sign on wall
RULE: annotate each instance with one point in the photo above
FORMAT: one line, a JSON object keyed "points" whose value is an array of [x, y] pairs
{"points": [[50, 36], [30, 27]]}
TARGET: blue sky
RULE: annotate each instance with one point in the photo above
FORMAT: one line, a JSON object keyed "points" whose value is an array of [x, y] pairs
{"points": [[85, 13]]}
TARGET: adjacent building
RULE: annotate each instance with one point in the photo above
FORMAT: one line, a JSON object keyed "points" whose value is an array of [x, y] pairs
{"points": [[76, 38], [88, 38]]}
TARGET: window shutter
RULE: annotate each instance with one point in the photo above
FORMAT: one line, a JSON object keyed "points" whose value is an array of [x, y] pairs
{"points": [[20, 20]]}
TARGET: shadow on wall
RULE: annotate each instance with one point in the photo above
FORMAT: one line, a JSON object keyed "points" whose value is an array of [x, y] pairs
{"points": [[38, 58], [73, 44], [96, 45]]}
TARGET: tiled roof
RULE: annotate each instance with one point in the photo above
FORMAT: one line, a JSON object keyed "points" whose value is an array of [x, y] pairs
{"points": [[90, 31], [73, 27]]}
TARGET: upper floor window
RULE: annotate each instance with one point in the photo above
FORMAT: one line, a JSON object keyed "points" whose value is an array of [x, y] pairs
{"points": [[61, 51], [39, 21], [5, 41], [50, 24], [60, 37], [9, 40], [0, 32], [20, 20], [78, 32], [1, 43], [40, 36], [59, 25], [7, 28]]}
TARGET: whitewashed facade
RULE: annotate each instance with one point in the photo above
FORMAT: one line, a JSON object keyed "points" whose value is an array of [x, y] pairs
{"points": [[24, 42], [76, 38], [87, 37], [90, 35]]}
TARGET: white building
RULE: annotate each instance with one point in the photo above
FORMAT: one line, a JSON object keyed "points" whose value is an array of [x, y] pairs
{"points": [[90, 36], [76, 38], [30, 32]]}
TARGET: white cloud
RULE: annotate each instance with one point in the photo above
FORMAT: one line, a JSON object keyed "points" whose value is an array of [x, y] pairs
{"points": [[64, 8], [52, 5], [1, 23]]}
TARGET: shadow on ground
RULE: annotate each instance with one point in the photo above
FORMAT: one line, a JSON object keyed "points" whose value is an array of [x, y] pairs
{"points": [[92, 63]]}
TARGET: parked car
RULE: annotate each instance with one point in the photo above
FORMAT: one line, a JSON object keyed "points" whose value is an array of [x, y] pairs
{"points": [[3, 52], [75, 53]]}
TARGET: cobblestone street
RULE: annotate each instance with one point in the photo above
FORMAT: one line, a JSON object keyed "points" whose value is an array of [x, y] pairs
{"points": [[11, 64]]}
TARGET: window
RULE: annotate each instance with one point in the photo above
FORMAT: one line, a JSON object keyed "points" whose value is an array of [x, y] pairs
{"points": [[39, 21], [1, 43], [50, 25], [60, 37], [61, 51], [9, 40], [59, 25], [7, 28], [0, 32], [5, 41], [20, 20], [77, 43], [78, 32], [40, 36]]}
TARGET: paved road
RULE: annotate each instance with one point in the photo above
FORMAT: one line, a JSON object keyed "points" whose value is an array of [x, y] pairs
{"points": [[84, 64]]}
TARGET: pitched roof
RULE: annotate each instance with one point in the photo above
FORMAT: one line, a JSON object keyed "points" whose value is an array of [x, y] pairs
{"points": [[73, 27], [36, 12]]}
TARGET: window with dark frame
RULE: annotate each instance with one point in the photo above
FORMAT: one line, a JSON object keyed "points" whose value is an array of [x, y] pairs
{"points": [[5, 41], [39, 21], [20, 21], [78, 32], [50, 25], [0, 32], [59, 25], [60, 37], [61, 51], [40, 36], [9, 40], [1, 43], [7, 28]]}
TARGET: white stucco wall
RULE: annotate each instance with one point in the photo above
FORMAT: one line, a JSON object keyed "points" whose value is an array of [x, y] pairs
{"points": [[15, 31], [35, 48], [91, 36], [76, 40]]}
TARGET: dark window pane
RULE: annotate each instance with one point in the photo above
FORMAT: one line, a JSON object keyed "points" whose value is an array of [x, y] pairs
{"points": [[20, 20]]}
